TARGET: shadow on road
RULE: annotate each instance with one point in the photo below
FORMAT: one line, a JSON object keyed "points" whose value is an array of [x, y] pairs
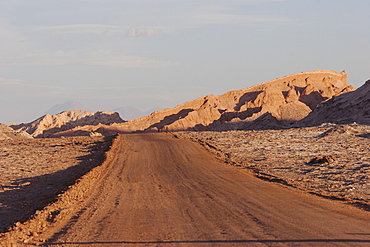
{"points": [[21, 202]]}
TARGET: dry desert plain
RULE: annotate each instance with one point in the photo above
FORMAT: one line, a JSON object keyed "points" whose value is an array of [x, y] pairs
{"points": [[225, 181], [331, 161], [34, 171]]}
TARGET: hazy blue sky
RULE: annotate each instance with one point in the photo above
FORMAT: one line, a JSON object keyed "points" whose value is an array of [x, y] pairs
{"points": [[112, 53]]}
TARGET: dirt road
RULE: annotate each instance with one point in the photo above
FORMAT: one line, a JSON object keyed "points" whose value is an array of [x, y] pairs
{"points": [[162, 190]]}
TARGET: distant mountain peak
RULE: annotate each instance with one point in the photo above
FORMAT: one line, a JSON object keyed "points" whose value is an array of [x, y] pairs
{"points": [[66, 106]]}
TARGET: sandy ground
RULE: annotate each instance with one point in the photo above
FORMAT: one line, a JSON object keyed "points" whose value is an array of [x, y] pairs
{"points": [[158, 190], [34, 171], [330, 160]]}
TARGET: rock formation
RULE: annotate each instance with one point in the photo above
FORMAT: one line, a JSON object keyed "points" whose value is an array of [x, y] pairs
{"points": [[48, 125], [346, 108], [7, 133], [272, 104]]}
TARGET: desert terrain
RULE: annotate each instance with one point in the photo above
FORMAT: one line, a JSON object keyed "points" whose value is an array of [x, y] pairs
{"points": [[276, 103], [35, 171], [263, 159], [332, 160], [158, 189]]}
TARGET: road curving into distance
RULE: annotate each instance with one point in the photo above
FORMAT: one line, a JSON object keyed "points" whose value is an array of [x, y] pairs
{"points": [[165, 191]]}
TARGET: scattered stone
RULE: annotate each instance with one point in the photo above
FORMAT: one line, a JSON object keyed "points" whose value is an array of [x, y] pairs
{"points": [[95, 134], [335, 165], [322, 160], [341, 129]]}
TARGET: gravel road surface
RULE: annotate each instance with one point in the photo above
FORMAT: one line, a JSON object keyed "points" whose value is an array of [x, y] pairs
{"points": [[161, 190]]}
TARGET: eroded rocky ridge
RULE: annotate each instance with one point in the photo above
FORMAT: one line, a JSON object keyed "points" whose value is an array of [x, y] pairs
{"points": [[48, 125], [276, 103], [7, 133], [346, 108]]}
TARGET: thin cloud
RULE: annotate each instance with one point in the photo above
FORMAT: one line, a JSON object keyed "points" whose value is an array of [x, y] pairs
{"points": [[225, 16], [102, 58], [109, 59], [127, 62], [95, 29], [83, 28], [45, 58], [21, 83], [11, 82], [184, 16], [142, 32], [16, 83], [82, 92], [221, 18]]}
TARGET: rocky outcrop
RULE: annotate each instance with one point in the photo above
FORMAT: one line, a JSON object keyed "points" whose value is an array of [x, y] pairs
{"points": [[7, 133], [346, 108], [275, 104], [279, 102], [48, 125]]}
